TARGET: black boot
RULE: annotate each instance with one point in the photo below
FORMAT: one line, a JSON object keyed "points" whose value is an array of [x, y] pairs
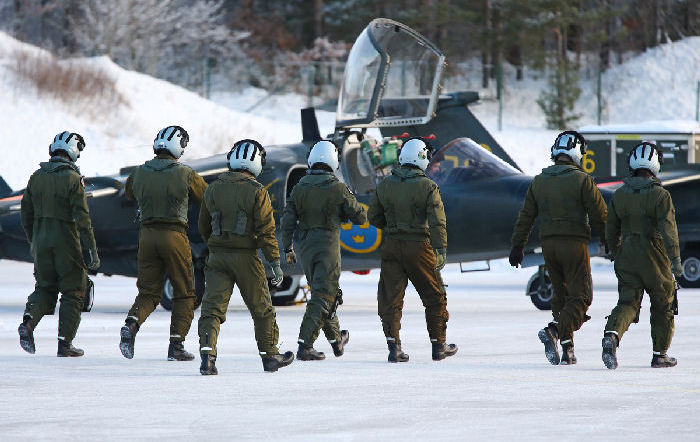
{"points": [[177, 352], [305, 353], [662, 361], [66, 350], [567, 354], [610, 344], [339, 346], [442, 350], [395, 353], [273, 363], [549, 337], [128, 336], [26, 335], [208, 366]]}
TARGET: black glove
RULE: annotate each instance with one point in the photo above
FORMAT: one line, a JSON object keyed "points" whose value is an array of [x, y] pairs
{"points": [[516, 256], [290, 257]]}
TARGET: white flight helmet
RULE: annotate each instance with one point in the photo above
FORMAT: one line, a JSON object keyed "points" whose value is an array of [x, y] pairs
{"points": [[69, 142], [325, 152], [174, 139], [417, 152], [646, 155], [571, 144], [247, 155]]}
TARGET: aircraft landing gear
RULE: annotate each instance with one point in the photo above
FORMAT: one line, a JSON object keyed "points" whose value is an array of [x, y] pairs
{"points": [[286, 293], [540, 290], [690, 260]]}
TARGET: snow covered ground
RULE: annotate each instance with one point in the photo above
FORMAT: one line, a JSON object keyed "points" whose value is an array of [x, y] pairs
{"points": [[499, 386]]}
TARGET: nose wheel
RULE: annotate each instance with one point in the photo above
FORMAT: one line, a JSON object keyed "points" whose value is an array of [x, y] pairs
{"points": [[540, 290]]}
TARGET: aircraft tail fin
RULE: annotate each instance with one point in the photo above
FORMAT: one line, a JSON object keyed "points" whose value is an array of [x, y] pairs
{"points": [[309, 125], [5, 190]]}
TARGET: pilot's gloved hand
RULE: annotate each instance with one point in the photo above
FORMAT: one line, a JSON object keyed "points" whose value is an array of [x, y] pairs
{"points": [[440, 259], [676, 267], [277, 272], [516, 256], [290, 257], [94, 263]]}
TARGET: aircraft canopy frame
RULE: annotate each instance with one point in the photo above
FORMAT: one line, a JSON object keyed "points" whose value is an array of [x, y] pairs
{"points": [[392, 78]]}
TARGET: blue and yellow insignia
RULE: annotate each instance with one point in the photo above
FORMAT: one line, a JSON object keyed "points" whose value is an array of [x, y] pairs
{"points": [[363, 238]]}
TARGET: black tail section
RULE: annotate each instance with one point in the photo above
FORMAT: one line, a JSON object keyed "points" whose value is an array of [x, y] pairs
{"points": [[454, 120], [5, 190], [309, 125]]}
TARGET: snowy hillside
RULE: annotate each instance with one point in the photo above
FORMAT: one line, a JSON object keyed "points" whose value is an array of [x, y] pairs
{"points": [[657, 85], [121, 135]]}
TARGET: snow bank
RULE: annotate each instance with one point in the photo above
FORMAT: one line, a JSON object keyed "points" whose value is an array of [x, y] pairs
{"points": [[121, 135]]}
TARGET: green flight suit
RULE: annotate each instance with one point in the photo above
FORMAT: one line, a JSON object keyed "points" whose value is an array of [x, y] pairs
{"points": [[643, 238], [55, 218], [565, 198], [408, 208], [164, 190], [235, 221], [317, 206]]}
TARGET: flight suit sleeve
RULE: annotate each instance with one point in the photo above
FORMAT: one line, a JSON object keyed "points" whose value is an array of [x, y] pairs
{"points": [[204, 222], [81, 214], [27, 213], [375, 214], [197, 188], [289, 223], [595, 206], [129, 188], [265, 226], [613, 228], [526, 219], [437, 221], [666, 223], [352, 210]]}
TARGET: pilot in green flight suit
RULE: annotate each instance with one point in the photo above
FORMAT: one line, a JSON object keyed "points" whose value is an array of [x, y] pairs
{"points": [[235, 221], [565, 198], [55, 218], [408, 207], [317, 206], [164, 190], [643, 238]]}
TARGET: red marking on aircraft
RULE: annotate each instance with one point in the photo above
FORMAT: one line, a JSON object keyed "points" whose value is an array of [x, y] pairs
{"points": [[12, 198]]}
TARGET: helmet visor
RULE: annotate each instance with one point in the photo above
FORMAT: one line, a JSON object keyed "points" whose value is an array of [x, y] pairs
{"points": [[566, 141]]}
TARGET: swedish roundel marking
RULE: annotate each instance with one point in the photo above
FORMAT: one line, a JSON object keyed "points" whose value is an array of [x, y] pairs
{"points": [[363, 238]]}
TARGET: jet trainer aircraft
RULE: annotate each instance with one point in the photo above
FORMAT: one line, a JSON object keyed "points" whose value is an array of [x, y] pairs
{"points": [[391, 82]]}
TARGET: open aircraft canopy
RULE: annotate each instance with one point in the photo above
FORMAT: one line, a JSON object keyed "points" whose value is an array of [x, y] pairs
{"points": [[392, 78]]}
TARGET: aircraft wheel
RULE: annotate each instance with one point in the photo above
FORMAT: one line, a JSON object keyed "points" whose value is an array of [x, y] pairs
{"points": [[286, 293], [542, 298], [691, 269], [166, 300]]}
